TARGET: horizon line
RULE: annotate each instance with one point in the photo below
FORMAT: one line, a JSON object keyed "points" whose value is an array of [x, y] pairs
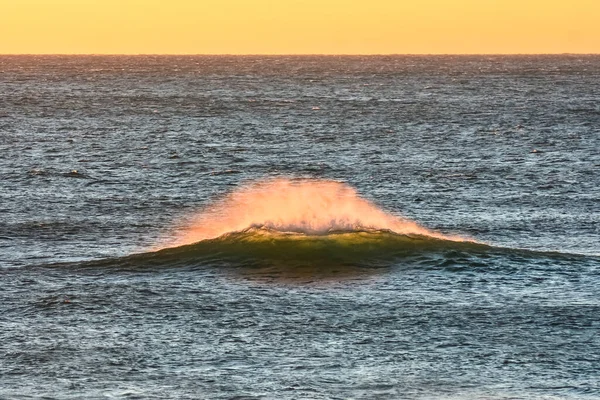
{"points": [[301, 54]]}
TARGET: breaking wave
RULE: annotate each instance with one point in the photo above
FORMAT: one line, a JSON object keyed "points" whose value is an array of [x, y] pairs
{"points": [[287, 225]]}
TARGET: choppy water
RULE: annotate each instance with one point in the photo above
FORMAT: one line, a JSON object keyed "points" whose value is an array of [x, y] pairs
{"points": [[322, 280]]}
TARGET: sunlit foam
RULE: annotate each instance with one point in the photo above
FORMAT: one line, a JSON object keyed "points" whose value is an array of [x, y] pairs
{"points": [[310, 207]]}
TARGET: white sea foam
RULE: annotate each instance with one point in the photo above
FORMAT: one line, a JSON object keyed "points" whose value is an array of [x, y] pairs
{"points": [[312, 207]]}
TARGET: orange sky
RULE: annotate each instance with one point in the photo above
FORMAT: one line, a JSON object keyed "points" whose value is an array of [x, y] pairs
{"points": [[299, 26]]}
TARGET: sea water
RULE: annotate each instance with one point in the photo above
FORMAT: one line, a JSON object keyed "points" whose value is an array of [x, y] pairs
{"points": [[392, 227]]}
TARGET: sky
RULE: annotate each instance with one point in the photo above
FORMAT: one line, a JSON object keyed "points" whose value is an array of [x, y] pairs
{"points": [[299, 26]]}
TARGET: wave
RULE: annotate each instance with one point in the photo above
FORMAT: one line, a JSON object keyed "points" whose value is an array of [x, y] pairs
{"points": [[321, 225], [264, 254], [259, 251]]}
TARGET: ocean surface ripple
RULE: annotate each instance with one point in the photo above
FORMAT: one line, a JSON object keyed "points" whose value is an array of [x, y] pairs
{"points": [[300, 227]]}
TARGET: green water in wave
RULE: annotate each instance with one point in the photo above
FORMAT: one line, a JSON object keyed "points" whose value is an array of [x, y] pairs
{"points": [[354, 247]]}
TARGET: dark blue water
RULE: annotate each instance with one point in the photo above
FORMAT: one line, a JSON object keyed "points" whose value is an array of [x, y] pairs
{"points": [[102, 159]]}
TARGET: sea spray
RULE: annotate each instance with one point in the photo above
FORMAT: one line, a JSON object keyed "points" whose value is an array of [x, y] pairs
{"points": [[305, 206]]}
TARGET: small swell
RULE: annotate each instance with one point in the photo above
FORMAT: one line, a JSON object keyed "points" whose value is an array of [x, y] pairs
{"points": [[307, 207], [256, 248]]}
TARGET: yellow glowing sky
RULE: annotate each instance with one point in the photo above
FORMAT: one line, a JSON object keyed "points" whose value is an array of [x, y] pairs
{"points": [[299, 26]]}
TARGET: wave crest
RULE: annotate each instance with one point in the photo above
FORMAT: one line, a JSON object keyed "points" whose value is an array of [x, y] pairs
{"points": [[309, 207]]}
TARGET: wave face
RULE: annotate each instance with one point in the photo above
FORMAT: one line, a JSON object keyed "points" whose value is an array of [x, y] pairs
{"points": [[340, 246], [307, 207], [285, 253]]}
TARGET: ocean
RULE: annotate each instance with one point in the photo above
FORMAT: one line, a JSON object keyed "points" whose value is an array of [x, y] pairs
{"points": [[300, 227]]}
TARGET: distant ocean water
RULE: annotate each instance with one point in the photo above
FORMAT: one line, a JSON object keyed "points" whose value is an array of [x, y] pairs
{"points": [[416, 227]]}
